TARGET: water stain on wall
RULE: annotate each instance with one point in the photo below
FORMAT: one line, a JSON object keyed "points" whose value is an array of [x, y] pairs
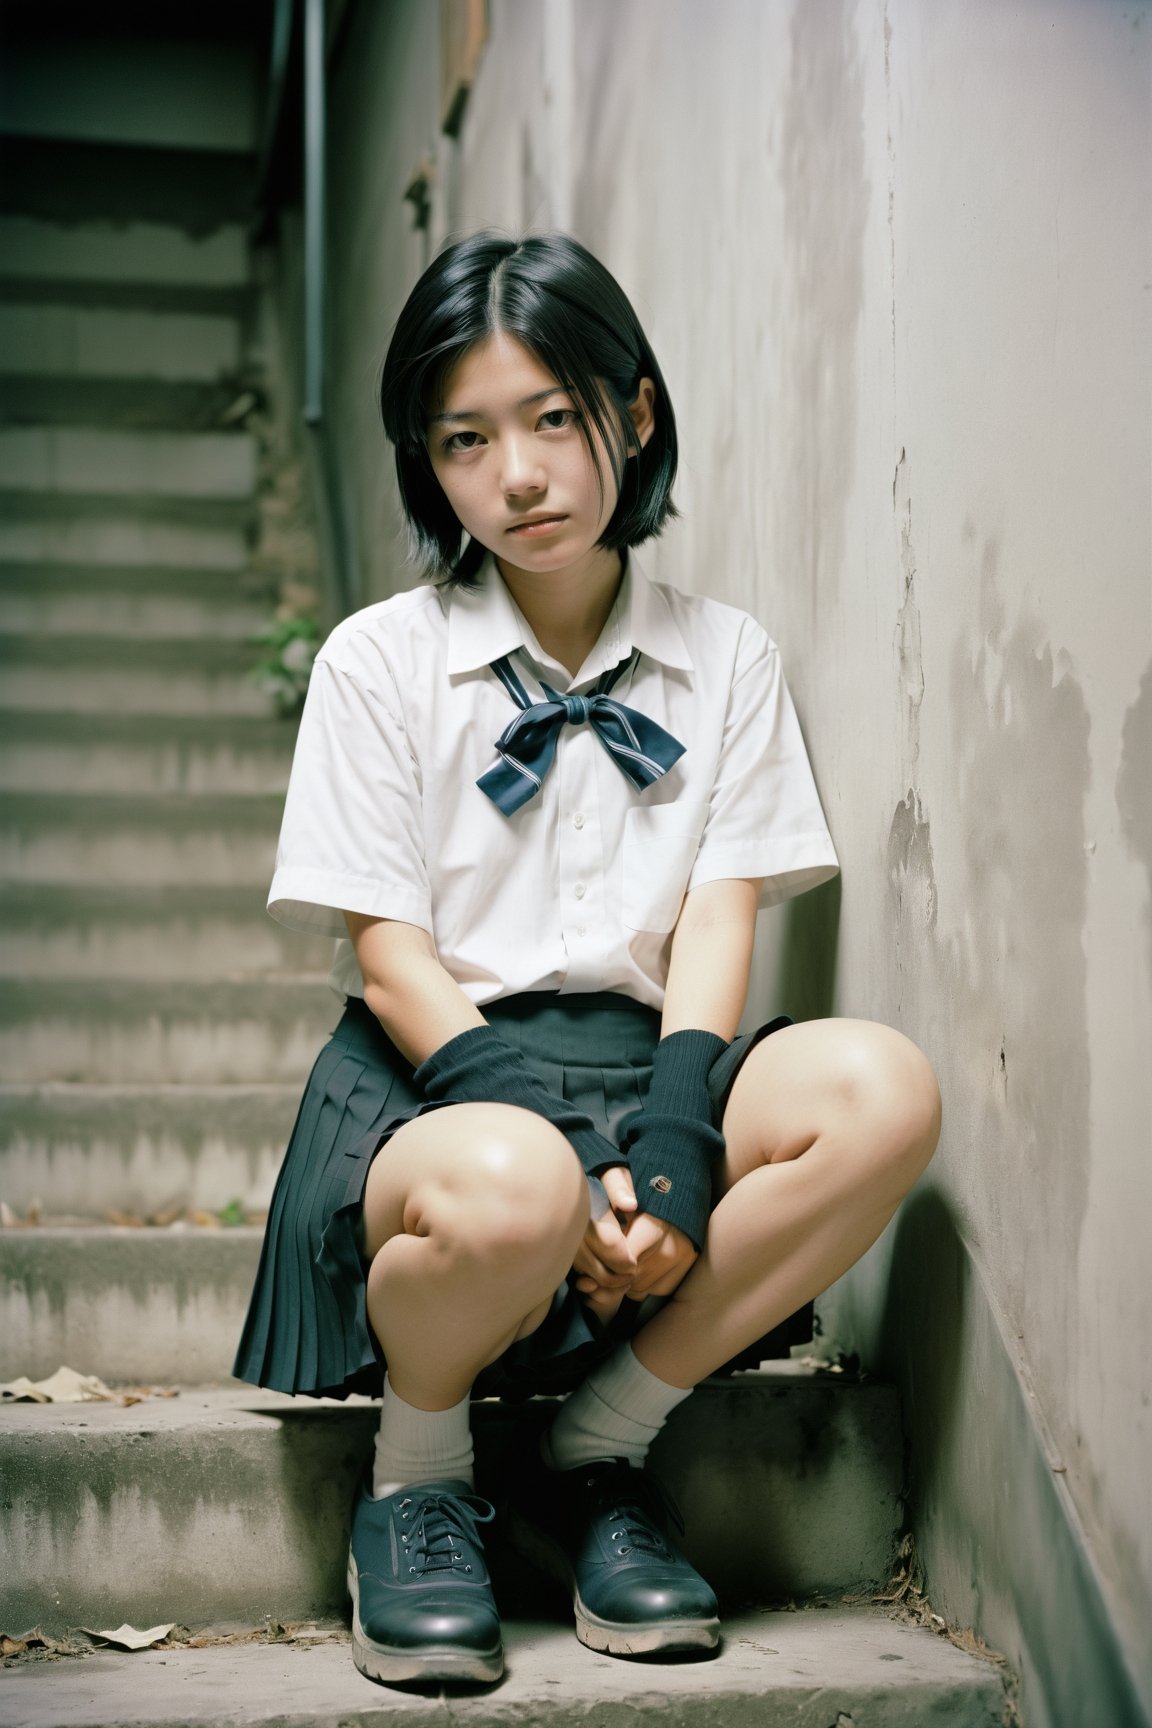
{"points": [[1134, 789], [1016, 963], [909, 649], [825, 192]]}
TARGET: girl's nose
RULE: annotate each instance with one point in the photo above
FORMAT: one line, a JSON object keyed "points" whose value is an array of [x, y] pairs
{"points": [[520, 468]]}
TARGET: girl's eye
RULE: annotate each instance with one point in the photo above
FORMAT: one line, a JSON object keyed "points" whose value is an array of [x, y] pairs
{"points": [[556, 418], [457, 441]]}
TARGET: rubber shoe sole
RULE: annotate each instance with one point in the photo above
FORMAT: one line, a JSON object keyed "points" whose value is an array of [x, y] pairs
{"points": [[395, 1666], [609, 1637]]}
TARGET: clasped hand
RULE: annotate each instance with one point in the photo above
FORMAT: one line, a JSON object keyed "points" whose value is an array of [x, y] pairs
{"points": [[628, 1252]]}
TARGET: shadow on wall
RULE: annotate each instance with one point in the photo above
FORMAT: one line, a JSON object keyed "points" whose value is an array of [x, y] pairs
{"points": [[922, 1335], [995, 1527], [807, 966]]}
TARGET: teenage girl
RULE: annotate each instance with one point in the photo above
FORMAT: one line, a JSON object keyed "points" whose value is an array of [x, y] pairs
{"points": [[539, 802]]}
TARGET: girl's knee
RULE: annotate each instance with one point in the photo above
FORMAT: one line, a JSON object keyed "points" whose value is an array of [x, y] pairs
{"points": [[854, 1083], [511, 1185], [890, 1089]]}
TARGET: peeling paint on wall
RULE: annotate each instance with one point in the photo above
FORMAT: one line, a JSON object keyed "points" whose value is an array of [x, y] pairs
{"points": [[1134, 789], [1016, 957], [909, 650], [826, 195]]}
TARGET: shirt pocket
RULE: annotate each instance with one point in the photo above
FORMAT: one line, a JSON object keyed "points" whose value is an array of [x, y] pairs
{"points": [[660, 846]]}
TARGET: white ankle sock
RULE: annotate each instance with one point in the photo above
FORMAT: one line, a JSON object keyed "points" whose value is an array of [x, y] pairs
{"points": [[616, 1413], [420, 1445]]}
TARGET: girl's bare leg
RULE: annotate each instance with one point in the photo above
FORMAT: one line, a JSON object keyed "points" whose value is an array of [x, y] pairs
{"points": [[472, 1216], [828, 1126]]}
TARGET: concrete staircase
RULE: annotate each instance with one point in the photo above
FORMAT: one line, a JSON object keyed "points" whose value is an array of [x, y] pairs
{"points": [[155, 1031]]}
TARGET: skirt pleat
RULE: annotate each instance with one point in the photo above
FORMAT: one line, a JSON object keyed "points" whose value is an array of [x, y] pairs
{"points": [[307, 1327]]}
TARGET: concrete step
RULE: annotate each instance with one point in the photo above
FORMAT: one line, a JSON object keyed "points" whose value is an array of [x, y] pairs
{"points": [[135, 931], [50, 339], [828, 1665], [89, 183], [134, 1305], [128, 1031], [230, 1506], [240, 300], [142, 1150], [114, 753], [100, 674], [822, 1666], [168, 256], [126, 403], [133, 601], [30, 509], [153, 840], [115, 533], [90, 462]]}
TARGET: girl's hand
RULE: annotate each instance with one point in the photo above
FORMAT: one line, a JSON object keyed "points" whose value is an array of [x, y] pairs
{"points": [[664, 1255], [605, 1261]]}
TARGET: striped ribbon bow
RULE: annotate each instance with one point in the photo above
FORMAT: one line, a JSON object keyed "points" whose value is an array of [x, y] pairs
{"points": [[641, 749]]}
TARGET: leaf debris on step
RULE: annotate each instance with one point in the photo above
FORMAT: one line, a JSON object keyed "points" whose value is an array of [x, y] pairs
{"points": [[131, 1637], [68, 1386]]}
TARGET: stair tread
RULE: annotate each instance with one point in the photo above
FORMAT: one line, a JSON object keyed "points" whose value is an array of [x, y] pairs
{"points": [[49, 725], [139, 652], [141, 579], [209, 1491], [223, 300], [127, 899], [804, 1669], [128, 251]]}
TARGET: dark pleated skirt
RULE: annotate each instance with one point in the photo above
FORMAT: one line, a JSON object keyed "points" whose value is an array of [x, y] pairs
{"points": [[307, 1326]]}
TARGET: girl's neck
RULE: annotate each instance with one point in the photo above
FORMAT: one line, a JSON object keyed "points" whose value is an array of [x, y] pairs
{"points": [[567, 609]]}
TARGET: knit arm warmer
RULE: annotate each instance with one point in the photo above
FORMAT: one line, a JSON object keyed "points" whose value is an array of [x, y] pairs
{"points": [[672, 1143], [478, 1067]]}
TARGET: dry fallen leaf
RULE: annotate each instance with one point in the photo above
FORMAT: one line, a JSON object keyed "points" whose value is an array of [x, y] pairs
{"points": [[130, 1637], [16, 1644], [66, 1386], [166, 1215]]}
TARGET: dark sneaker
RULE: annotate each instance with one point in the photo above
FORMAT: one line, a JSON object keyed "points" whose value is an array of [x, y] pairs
{"points": [[602, 1529], [422, 1605]]}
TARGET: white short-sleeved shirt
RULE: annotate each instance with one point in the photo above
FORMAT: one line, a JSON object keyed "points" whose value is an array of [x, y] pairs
{"points": [[581, 888]]}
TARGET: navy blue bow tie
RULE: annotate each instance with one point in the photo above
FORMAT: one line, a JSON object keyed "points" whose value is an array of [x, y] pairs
{"points": [[641, 749]]}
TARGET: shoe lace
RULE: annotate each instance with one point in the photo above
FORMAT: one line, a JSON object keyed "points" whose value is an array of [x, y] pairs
{"points": [[637, 1510], [444, 1530]]}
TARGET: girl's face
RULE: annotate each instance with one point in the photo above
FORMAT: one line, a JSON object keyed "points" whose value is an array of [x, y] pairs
{"points": [[507, 446]]}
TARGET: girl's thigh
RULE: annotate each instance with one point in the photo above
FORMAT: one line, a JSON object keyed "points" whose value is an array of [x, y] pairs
{"points": [[853, 1083], [474, 1170]]}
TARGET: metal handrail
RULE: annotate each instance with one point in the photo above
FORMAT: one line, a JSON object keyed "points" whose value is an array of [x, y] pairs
{"points": [[344, 589]]}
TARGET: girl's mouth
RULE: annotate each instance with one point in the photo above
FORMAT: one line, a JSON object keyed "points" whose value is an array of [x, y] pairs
{"points": [[537, 529]]}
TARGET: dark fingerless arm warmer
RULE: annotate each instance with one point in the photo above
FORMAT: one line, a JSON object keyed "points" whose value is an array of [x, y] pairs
{"points": [[672, 1143], [478, 1067]]}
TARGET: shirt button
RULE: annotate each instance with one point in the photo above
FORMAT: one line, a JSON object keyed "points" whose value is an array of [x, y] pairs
{"points": [[580, 930], [579, 890], [578, 819]]}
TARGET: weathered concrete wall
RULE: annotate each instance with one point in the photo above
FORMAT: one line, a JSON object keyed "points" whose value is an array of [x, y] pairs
{"points": [[895, 260]]}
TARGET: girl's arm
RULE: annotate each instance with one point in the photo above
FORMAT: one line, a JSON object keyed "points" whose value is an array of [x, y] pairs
{"points": [[672, 1141], [711, 959], [415, 1000]]}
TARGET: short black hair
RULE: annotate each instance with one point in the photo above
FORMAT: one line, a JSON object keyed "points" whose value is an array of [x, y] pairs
{"points": [[550, 293]]}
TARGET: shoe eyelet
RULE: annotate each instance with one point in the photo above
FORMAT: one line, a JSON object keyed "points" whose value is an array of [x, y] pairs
{"points": [[467, 1568], [411, 1568]]}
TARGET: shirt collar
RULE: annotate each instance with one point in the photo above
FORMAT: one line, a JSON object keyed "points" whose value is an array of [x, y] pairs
{"points": [[485, 623]]}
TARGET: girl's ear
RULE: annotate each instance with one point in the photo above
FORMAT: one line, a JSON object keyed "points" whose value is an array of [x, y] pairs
{"points": [[643, 412]]}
